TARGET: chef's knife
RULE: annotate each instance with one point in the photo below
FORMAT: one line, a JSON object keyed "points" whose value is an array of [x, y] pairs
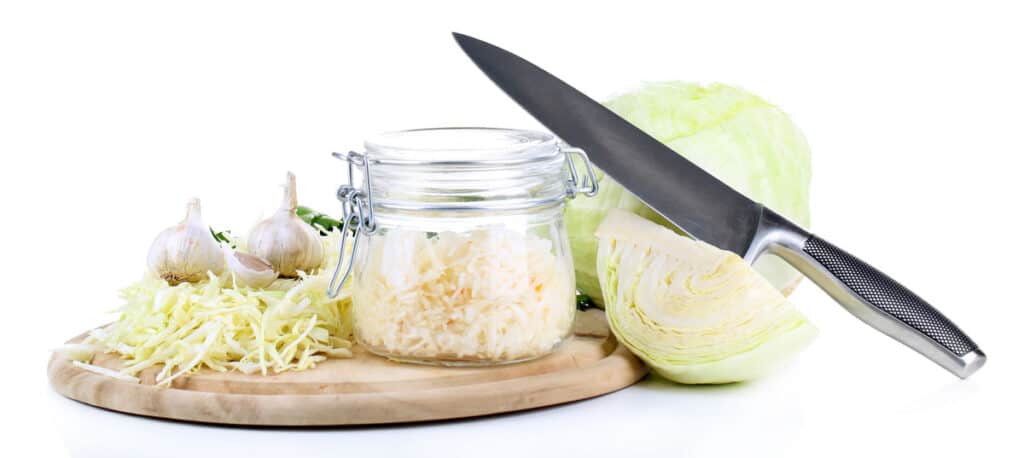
{"points": [[711, 211]]}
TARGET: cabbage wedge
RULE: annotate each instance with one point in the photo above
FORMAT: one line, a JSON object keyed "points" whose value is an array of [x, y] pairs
{"points": [[694, 313]]}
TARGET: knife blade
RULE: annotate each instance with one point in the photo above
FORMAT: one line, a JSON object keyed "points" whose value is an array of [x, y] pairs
{"points": [[691, 198], [711, 211]]}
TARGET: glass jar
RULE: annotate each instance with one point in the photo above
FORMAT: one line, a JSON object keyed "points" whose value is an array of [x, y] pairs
{"points": [[460, 253]]}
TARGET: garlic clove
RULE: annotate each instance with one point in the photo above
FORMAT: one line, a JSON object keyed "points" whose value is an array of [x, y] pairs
{"points": [[285, 241], [186, 252], [251, 271]]}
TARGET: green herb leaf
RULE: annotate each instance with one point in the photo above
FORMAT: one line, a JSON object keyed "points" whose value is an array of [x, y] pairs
{"points": [[583, 302], [320, 221], [223, 237]]}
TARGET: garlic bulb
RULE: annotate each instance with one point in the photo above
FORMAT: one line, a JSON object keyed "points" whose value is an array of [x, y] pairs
{"points": [[187, 251], [249, 270], [284, 240]]}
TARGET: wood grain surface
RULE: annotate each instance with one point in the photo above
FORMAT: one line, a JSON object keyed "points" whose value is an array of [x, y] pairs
{"points": [[365, 389]]}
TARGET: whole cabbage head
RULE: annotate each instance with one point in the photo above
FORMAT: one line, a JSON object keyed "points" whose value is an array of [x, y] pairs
{"points": [[737, 136]]}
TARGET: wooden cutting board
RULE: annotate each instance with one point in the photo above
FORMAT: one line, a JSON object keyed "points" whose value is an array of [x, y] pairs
{"points": [[365, 389]]}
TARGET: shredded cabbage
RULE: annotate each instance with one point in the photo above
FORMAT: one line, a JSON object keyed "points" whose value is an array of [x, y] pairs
{"points": [[290, 325], [483, 296], [105, 371]]}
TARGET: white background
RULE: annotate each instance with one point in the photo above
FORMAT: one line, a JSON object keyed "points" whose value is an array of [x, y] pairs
{"points": [[113, 114]]}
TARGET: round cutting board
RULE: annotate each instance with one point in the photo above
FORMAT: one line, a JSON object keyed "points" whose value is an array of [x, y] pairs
{"points": [[365, 389]]}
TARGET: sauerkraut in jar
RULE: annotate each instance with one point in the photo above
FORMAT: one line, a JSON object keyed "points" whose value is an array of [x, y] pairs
{"points": [[461, 255], [480, 296]]}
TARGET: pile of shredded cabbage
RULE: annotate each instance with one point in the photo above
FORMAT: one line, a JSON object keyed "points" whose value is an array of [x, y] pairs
{"points": [[484, 296], [291, 325]]}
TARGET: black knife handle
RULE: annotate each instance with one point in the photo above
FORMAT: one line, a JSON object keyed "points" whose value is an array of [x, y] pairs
{"points": [[874, 297], [882, 292]]}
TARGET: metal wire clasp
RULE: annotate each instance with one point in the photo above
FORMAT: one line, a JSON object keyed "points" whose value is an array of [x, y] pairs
{"points": [[574, 186], [357, 216]]}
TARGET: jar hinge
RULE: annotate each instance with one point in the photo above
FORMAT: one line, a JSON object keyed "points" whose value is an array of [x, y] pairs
{"points": [[357, 217], [588, 185]]}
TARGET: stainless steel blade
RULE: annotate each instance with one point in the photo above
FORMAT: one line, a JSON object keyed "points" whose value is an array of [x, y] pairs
{"points": [[679, 190]]}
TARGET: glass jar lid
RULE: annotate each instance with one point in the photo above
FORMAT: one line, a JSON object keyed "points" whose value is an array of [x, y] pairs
{"points": [[466, 168], [466, 146]]}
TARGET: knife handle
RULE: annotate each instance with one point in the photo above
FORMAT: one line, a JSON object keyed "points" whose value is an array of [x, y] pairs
{"points": [[872, 296]]}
